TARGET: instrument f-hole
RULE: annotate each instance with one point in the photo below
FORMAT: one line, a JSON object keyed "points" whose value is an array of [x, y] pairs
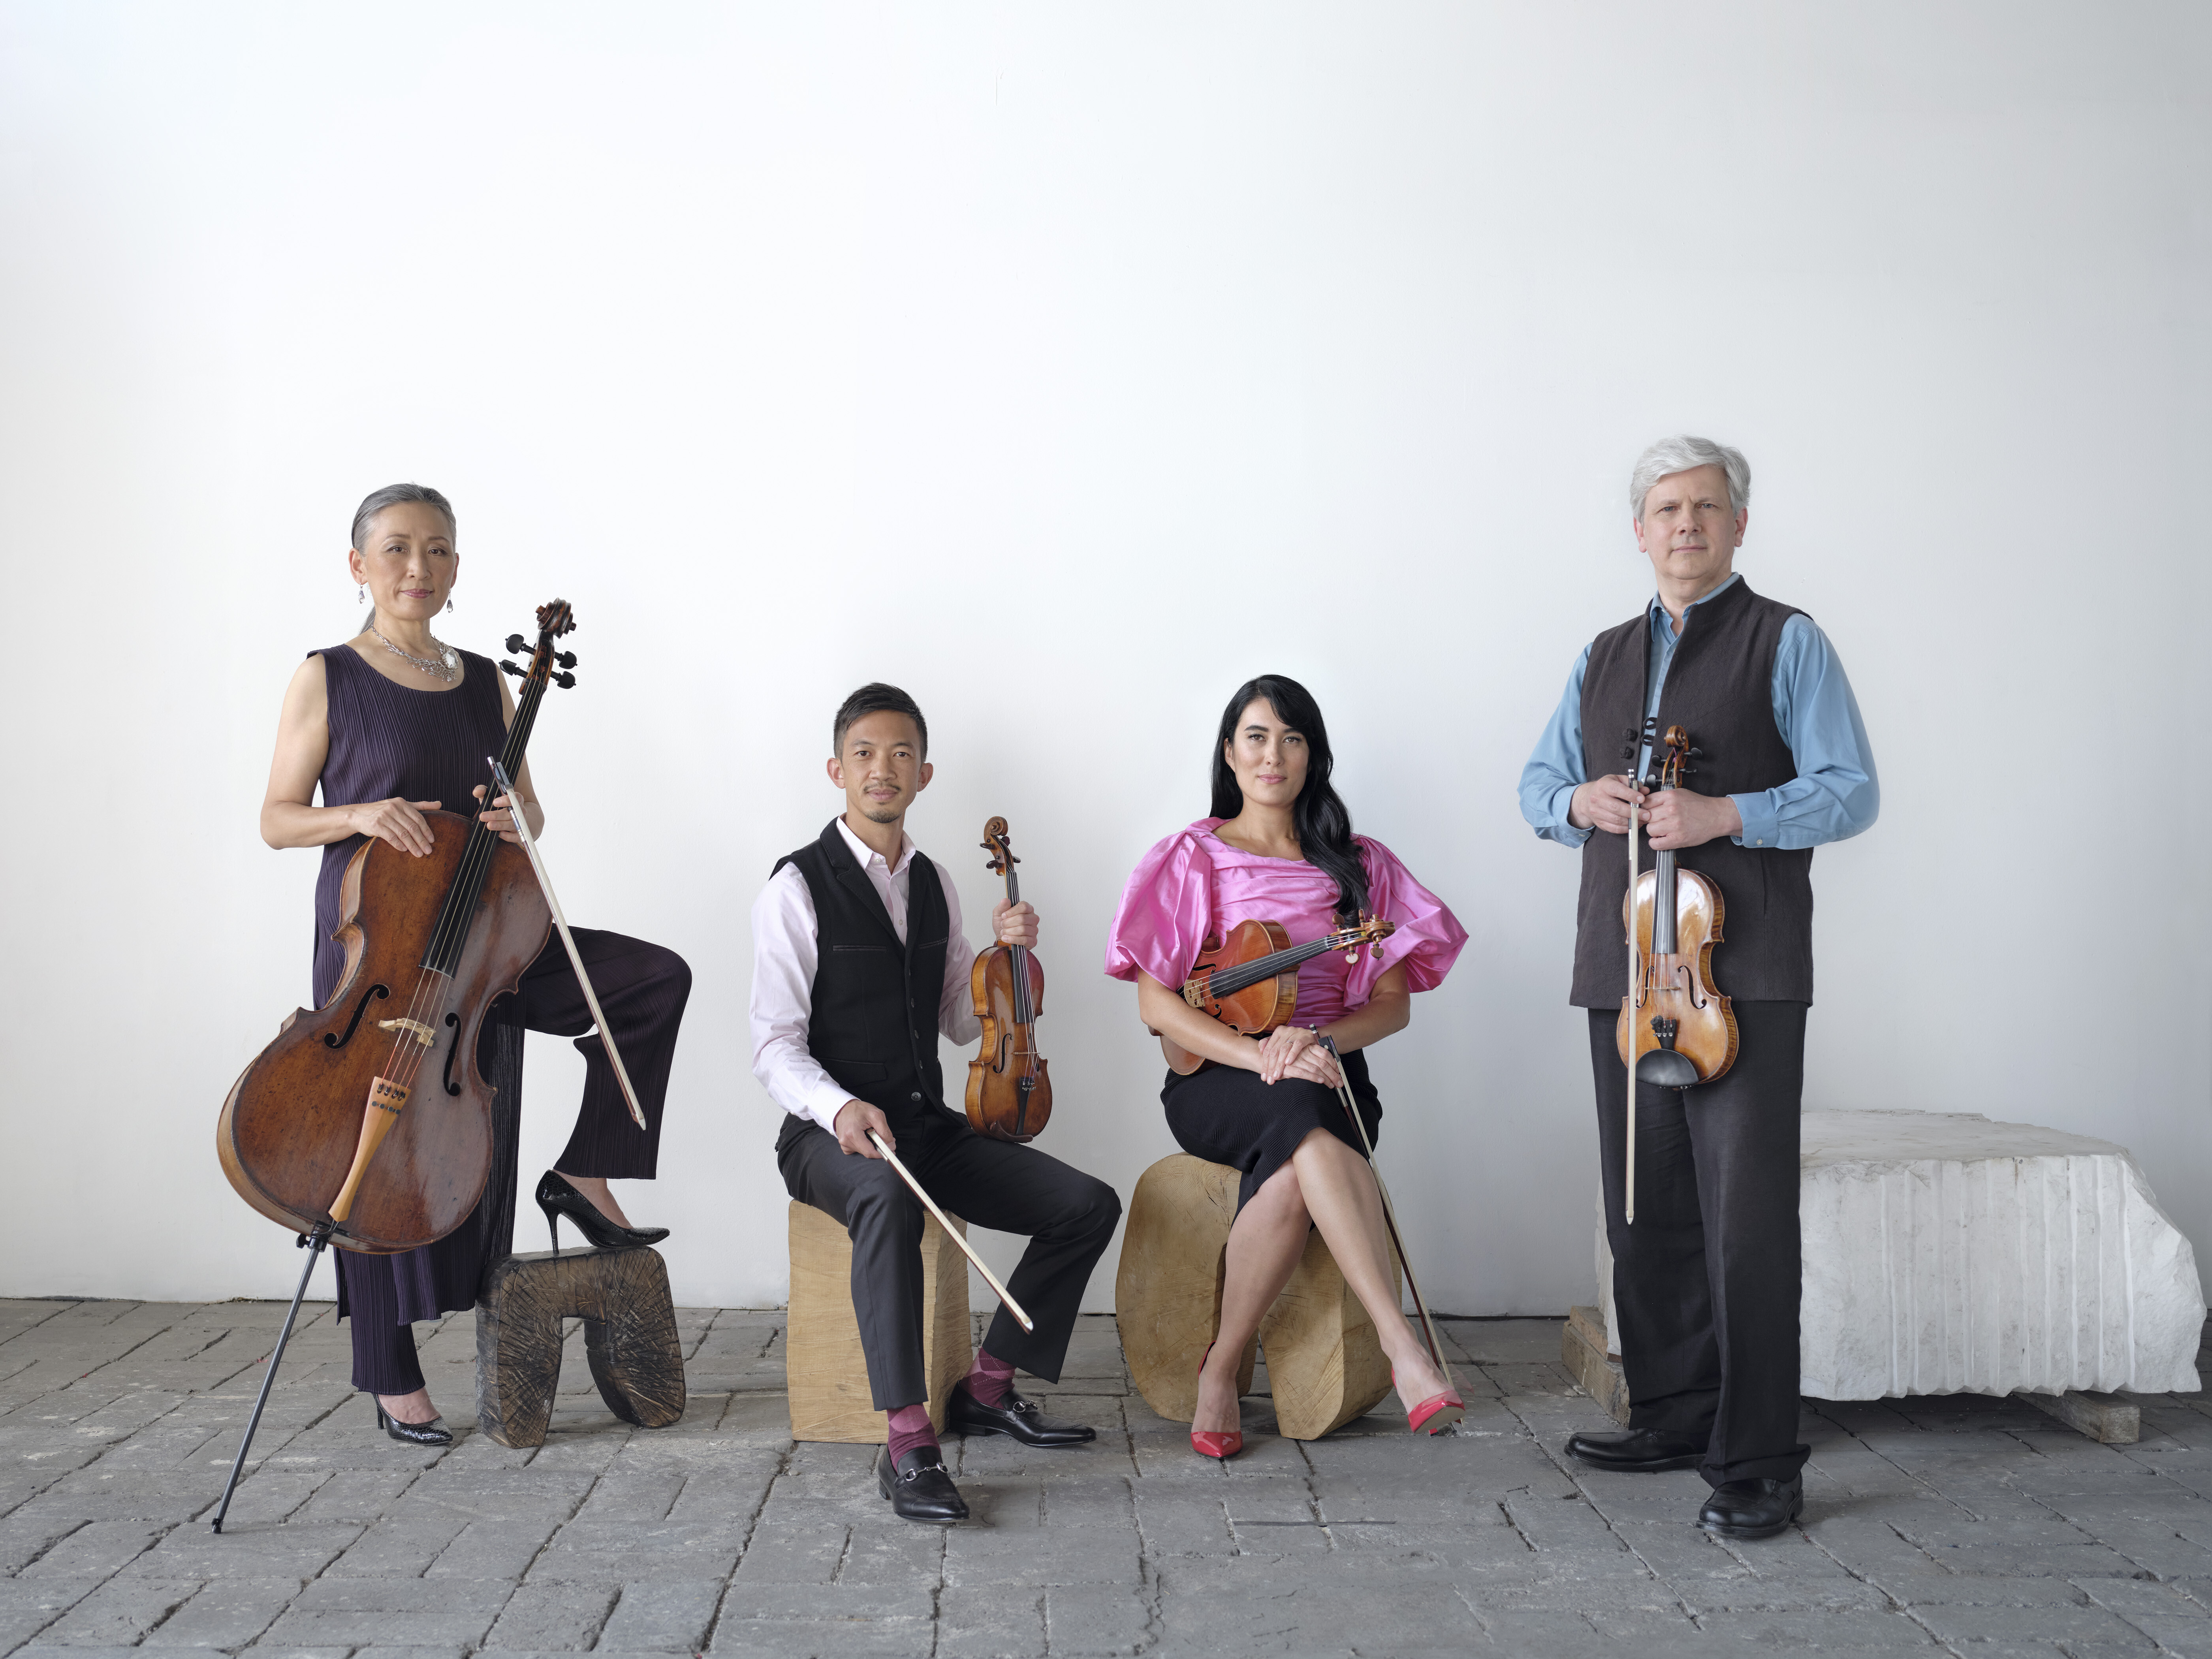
{"points": [[359, 1009], [452, 1023]]}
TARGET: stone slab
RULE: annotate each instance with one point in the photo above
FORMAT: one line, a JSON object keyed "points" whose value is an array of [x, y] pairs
{"points": [[1948, 1253]]}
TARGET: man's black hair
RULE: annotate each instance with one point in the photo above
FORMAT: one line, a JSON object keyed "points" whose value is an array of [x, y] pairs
{"points": [[876, 698]]}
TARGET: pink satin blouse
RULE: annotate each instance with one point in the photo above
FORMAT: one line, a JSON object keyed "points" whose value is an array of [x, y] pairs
{"points": [[1194, 884]]}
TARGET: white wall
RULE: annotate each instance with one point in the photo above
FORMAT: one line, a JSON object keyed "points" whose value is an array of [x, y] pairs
{"points": [[1067, 365]]}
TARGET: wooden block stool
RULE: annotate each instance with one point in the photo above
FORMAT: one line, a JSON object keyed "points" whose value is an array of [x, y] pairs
{"points": [[1324, 1361], [630, 1338], [824, 1369]]}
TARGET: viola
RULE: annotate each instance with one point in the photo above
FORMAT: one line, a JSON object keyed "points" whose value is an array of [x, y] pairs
{"points": [[365, 1121], [1009, 1093], [1676, 1029], [1249, 980]]}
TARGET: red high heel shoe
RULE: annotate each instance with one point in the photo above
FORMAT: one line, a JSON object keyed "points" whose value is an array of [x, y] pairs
{"points": [[1211, 1443], [1435, 1413]]}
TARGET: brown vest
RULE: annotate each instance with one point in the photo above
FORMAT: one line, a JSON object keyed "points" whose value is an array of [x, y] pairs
{"points": [[1720, 685]]}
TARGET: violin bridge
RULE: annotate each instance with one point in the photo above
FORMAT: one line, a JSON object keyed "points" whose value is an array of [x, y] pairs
{"points": [[422, 1033]]}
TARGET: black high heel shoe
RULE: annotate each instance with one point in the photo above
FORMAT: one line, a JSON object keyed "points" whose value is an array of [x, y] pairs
{"points": [[557, 1198], [432, 1433]]}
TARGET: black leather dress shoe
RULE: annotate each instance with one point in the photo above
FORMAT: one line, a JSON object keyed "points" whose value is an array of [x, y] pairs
{"points": [[1014, 1416], [919, 1488], [1643, 1451], [1754, 1508]]}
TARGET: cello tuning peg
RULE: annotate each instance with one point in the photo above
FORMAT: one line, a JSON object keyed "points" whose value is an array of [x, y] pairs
{"points": [[566, 659], [506, 667], [516, 643], [564, 680]]}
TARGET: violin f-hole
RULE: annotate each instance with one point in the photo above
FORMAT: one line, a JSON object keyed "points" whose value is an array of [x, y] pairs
{"points": [[359, 1009]]}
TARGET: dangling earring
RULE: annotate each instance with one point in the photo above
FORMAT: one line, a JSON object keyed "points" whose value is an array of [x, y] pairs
{"points": [[361, 594], [449, 605]]}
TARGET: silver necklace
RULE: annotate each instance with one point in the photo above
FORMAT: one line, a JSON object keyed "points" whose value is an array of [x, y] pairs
{"points": [[446, 665]]}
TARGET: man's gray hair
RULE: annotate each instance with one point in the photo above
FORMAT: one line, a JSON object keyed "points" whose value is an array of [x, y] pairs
{"points": [[1679, 454]]}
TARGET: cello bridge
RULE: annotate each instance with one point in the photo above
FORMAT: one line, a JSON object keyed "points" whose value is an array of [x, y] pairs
{"points": [[422, 1033], [1194, 993]]}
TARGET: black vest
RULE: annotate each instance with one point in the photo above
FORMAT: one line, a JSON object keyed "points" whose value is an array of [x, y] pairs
{"points": [[1720, 686], [873, 1023]]}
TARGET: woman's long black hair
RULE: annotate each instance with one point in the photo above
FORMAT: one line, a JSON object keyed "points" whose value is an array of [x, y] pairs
{"points": [[1319, 814]]}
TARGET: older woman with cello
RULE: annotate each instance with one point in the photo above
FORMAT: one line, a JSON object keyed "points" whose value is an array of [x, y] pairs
{"points": [[1279, 848], [390, 725]]}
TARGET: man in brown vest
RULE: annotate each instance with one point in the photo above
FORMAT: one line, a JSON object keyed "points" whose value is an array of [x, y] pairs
{"points": [[1706, 1279]]}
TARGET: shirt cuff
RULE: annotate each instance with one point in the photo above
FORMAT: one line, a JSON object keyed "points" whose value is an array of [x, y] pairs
{"points": [[1561, 828], [1762, 826], [824, 1101]]}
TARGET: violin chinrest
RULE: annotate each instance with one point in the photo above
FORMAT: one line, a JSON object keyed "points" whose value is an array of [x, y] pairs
{"points": [[1666, 1068]]}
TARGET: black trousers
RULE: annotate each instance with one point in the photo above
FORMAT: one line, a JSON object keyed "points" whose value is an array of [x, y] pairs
{"points": [[1705, 1283], [1068, 1216], [643, 988]]}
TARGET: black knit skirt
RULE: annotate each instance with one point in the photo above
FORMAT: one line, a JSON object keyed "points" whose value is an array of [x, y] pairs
{"points": [[1225, 1115]]}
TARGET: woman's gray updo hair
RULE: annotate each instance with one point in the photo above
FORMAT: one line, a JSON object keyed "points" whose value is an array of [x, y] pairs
{"points": [[392, 496], [1680, 455]]}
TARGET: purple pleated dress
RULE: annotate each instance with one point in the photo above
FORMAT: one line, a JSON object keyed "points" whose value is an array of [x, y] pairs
{"points": [[389, 739]]}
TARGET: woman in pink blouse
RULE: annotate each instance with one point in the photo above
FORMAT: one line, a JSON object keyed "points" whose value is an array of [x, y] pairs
{"points": [[1279, 847]]}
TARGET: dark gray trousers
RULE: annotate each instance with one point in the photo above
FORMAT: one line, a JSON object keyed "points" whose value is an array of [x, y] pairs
{"points": [[1068, 1216], [1705, 1285]]}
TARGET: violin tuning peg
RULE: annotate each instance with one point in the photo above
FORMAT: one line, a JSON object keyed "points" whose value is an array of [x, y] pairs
{"points": [[516, 643], [506, 667], [566, 659], [564, 680]]}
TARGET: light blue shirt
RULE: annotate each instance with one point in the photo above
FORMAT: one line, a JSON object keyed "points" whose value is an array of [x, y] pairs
{"points": [[1834, 795]]}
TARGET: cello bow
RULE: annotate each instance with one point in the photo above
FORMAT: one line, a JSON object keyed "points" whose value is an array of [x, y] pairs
{"points": [[560, 923]]}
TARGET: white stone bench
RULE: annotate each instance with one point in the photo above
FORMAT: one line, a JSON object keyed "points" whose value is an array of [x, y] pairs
{"points": [[1947, 1254]]}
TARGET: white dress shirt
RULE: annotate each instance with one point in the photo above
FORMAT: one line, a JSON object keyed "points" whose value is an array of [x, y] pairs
{"points": [[785, 953]]}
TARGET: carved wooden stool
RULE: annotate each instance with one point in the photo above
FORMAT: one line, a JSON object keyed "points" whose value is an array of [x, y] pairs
{"points": [[630, 1338], [824, 1369], [1324, 1361]]}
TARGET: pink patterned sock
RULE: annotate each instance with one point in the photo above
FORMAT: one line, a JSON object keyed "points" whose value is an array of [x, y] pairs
{"points": [[910, 1428], [990, 1377]]}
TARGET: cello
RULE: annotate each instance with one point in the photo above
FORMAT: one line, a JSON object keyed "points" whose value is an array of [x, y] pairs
{"points": [[369, 1116], [1676, 1029], [1009, 1095], [1249, 980]]}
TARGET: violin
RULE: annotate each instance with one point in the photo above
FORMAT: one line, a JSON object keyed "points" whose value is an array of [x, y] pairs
{"points": [[1675, 1029], [1009, 1094], [1249, 980], [366, 1120]]}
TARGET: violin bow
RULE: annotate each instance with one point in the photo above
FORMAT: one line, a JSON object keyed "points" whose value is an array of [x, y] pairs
{"points": [[1390, 1218], [1630, 1217], [946, 1222], [576, 958]]}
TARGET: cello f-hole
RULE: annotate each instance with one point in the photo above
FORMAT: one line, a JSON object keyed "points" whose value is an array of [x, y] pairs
{"points": [[359, 1009], [453, 1021]]}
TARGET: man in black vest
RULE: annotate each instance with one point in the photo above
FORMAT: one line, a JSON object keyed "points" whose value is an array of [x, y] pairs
{"points": [[1706, 1280], [858, 963]]}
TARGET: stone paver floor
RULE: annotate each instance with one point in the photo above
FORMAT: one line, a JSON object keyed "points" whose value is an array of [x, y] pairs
{"points": [[1967, 1526]]}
